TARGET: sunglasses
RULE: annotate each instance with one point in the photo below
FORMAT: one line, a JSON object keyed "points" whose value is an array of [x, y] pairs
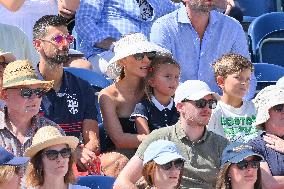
{"points": [[278, 108], [53, 154], [245, 164], [179, 163], [60, 39], [140, 56], [27, 92], [201, 103]]}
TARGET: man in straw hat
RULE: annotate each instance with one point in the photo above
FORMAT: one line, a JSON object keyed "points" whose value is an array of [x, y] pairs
{"points": [[71, 101], [194, 101], [22, 92], [269, 103]]}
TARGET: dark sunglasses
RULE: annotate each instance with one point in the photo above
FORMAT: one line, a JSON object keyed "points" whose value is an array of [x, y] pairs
{"points": [[53, 154], [278, 108], [177, 163], [140, 56], [245, 164], [59, 39], [201, 103], [27, 92]]}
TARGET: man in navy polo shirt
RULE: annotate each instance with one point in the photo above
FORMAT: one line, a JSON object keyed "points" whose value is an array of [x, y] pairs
{"points": [[71, 102]]}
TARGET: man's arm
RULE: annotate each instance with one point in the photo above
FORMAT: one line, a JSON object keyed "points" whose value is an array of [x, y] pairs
{"points": [[269, 181], [91, 135], [130, 174]]}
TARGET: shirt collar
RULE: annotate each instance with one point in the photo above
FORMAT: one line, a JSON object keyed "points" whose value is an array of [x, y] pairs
{"points": [[160, 106], [183, 17], [181, 133]]}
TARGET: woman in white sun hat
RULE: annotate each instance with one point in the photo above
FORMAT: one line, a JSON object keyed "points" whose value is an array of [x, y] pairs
{"points": [[52, 157], [129, 66], [269, 103], [163, 165]]}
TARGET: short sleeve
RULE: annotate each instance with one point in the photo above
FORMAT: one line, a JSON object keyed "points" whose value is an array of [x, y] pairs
{"points": [[140, 110]]}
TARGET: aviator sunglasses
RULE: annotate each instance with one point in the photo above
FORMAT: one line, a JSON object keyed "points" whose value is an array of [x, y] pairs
{"points": [[53, 154], [140, 56], [201, 103], [59, 39], [177, 163], [245, 164], [27, 92]]}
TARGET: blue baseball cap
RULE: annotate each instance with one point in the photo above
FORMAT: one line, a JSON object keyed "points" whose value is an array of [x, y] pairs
{"points": [[7, 158], [162, 152], [237, 151]]}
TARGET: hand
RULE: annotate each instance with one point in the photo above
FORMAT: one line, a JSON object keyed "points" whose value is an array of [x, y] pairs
{"points": [[274, 142], [85, 156]]}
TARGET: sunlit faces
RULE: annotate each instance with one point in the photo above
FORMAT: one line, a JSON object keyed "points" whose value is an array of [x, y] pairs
{"points": [[204, 6], [243, 177], [236, 84], [165, 80], [23, 106], [196, 116], [56, 167], [275, 123], [56, 51], [168, 177]]}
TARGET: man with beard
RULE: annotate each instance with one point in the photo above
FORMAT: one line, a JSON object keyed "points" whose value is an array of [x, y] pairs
{"points": [[197, 35], [202, 149], [71, 101]]}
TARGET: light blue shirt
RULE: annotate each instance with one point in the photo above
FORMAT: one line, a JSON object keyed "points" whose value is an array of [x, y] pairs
{"points": [[223, 35], [97, 20]]}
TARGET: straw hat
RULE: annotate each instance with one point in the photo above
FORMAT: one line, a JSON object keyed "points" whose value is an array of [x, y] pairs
{"points": [[9, 57], [130, 45], [267, 98], [21, 73], [48, 136]]}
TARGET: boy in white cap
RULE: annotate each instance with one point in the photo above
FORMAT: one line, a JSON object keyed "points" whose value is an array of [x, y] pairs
{"points": [[201, 148]]}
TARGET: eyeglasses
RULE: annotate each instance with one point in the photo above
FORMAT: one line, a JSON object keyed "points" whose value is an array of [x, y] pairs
{"points": [[27, 92], [177, 163], [140, 56], [53, 154], [201, 103], [59, 39], [278, 108], [245, 164]]}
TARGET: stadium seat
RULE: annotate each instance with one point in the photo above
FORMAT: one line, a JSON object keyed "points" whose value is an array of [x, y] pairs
{"points": [[255, 8], [267, 74], [265, 35], [96, 181]]}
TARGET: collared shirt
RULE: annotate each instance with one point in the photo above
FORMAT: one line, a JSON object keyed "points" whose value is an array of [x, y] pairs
{"points": [[202, 157], [71, 105], [10, 142], [97, 20], [156, 114], [222, 35]]}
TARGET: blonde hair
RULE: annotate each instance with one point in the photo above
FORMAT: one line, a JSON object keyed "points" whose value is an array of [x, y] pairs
{"points": [[231, 63], [6, 173]]}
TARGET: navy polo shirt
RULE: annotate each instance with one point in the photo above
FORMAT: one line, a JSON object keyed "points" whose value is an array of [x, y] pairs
{"points": [[74, 102], [156, 114]]}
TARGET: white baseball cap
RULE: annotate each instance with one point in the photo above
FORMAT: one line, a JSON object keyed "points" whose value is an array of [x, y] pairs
{"points": [[193, 90]]}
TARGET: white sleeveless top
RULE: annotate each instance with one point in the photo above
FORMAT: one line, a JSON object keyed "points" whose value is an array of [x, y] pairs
{"points": [[28, 14]]}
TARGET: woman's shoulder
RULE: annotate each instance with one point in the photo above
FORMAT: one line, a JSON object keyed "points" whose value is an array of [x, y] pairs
{"points": [[110, 91], [71, 186]]}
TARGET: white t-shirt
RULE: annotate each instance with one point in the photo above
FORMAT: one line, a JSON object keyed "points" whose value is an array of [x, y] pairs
{"points": [[235, 124]]}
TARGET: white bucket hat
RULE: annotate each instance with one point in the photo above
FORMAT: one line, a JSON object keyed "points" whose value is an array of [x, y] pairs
{"points": [[127, 46], [267, 98], [193, 90], [280, 82]]}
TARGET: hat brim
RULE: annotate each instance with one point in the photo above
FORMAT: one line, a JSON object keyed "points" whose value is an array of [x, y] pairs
{"points": [[243, 156], [167, 157], [200, 95], [34, 149], [46, 85], [16, 161]]}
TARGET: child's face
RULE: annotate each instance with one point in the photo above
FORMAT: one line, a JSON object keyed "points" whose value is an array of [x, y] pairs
{"points": [[236, 84], [166, 80]]}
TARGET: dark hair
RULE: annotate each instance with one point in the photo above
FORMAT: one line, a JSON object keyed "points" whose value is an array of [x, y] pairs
{"points": [[223, 180], [39, 29], [35, 174], [159, 59]]}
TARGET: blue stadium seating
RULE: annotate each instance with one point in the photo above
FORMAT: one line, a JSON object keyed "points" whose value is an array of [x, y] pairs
{"points": [[96, 181], [255, 8]]}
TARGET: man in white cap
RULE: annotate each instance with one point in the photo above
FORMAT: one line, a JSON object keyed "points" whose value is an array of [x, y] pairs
{"points": [[202, 149]]}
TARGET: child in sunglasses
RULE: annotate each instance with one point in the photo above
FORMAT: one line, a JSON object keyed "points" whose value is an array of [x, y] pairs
{"points": [[163, 165], [157, 109], [52, 157], [240, 168], [233, 117]]}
